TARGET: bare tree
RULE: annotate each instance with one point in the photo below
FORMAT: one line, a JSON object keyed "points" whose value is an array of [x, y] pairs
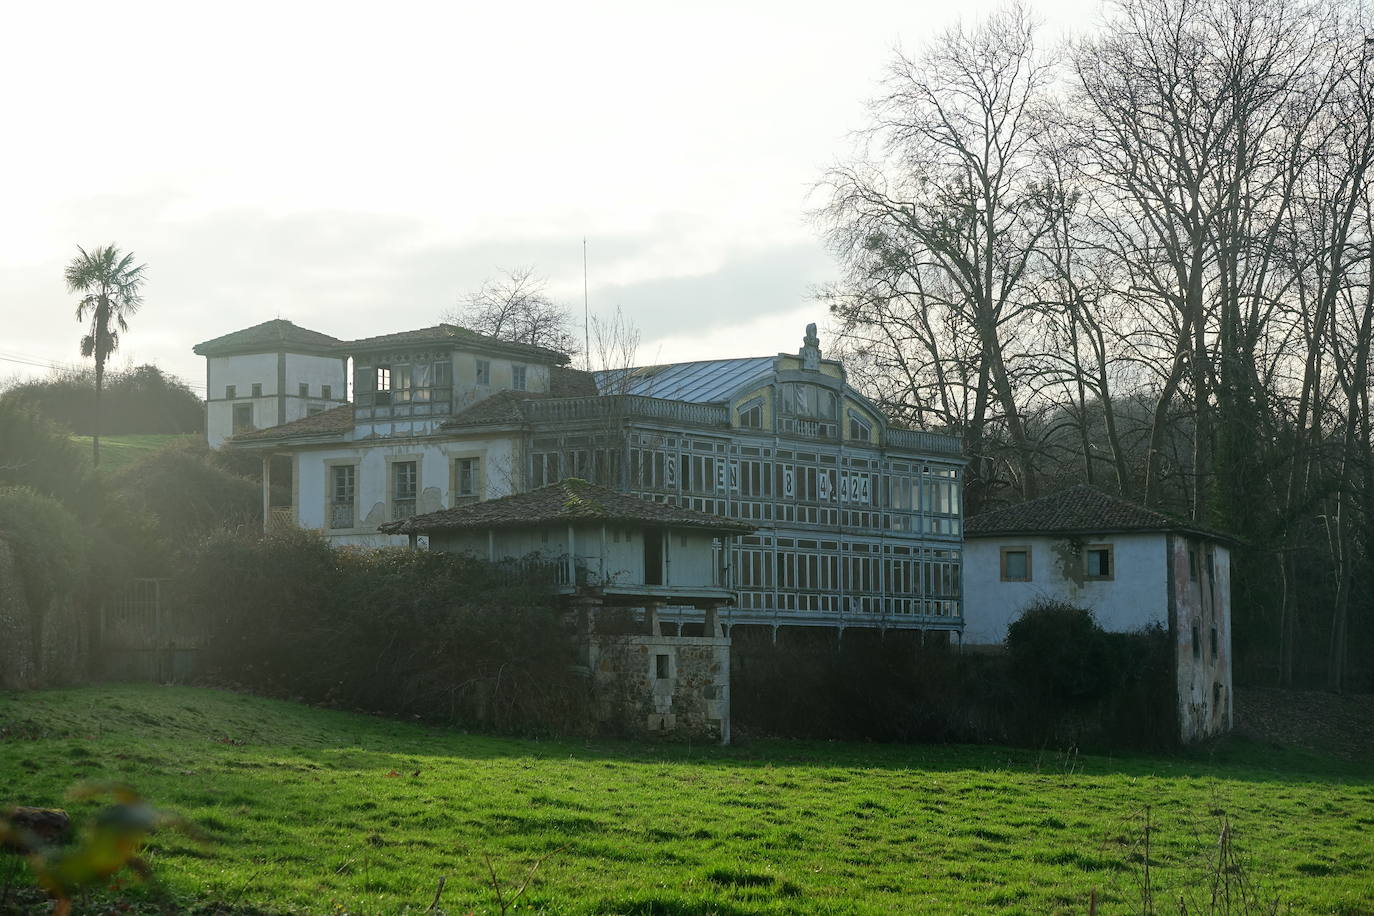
{"points": [[943, 222], [516, 306]]}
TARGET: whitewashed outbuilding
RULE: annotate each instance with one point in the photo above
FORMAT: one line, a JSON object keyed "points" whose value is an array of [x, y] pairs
{"points": [[1134, 567]]}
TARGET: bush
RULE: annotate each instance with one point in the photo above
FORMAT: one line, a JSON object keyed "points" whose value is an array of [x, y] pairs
{"points": [[413, 633], [141, 400], [36, 453], [190, 492], [1060, 650]]}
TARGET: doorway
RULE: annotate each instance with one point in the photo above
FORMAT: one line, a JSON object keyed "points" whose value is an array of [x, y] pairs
{"points": [[653, 557]]}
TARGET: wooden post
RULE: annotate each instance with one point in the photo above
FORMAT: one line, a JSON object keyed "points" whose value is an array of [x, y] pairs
{"points": [[267, 492]]}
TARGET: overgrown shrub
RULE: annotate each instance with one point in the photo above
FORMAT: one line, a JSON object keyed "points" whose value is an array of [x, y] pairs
{"points": [[1060, 650], [892, 688], [414, 633], [139, 400], [190, 492]]}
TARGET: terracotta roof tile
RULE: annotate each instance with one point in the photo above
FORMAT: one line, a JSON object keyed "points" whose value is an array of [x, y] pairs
{"points": [[452, 333], [570, 500], [1082, 509], [270, 335], [331, 422]]}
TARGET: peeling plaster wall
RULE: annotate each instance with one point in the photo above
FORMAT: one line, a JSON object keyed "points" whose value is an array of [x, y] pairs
{"points": [[1136, 596], [691, 701], [373, 462], [1201, 602]]}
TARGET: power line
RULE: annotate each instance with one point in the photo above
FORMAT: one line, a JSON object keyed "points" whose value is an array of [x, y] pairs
{"points": [[37, 362]]}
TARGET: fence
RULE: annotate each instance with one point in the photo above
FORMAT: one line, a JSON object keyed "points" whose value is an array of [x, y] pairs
{"points": [[145, 637]]}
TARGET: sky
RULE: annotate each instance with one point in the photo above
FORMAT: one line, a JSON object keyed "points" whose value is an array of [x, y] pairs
{"points": [[360, 168]]}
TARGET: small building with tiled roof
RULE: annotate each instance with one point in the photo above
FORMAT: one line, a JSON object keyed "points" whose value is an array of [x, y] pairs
{"points": [[622, 546], [1134, 567]]}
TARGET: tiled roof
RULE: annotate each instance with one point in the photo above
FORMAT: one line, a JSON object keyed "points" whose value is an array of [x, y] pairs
{"points": [[452, 333], [330, 422], [506, 407], [501, 408], [703, 382], [570, 500], [566, 382], [270, 335], [1082, 509]]}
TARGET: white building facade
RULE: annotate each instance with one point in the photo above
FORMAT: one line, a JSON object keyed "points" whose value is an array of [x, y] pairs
{"points": [[1132, 567], [858, 523]]}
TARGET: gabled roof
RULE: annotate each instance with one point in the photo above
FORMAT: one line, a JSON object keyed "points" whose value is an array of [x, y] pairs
{"points": [[277, 334], [709, 381], [452, 334], [568, 501], [1080, 510], [332, 422]]}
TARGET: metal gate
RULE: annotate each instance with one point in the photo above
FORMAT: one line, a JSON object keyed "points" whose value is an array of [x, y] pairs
{"points": [[145, 637]]}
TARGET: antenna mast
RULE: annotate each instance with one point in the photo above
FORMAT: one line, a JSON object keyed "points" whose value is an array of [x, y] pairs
{"points": [[586, 309]]}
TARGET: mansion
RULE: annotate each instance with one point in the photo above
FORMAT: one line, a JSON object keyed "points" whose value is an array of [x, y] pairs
{"points": [[851, 521]]}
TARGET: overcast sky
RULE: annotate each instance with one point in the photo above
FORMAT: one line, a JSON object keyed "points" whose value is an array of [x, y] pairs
{"points": [[358, 168]]}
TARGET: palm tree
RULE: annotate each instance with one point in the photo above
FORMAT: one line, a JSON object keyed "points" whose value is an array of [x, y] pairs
{"points": [[111, 283]]}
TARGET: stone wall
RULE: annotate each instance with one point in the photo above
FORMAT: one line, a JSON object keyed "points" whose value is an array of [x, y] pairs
{"points": [[676, 686]]}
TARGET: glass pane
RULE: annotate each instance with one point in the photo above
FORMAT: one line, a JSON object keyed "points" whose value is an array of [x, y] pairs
{"points": [[1016, 564]]}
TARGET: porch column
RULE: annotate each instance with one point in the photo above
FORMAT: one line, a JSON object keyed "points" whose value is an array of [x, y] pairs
{"points": [[711, 625], [651, 609]]}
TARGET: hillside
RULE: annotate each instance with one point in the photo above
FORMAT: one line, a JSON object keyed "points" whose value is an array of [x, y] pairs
{"points": [[118, 452]]}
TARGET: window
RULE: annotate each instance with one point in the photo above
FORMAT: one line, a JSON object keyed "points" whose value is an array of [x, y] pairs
{"points": [[305, 389], [231, 392], [751, 414], [859, 428], [483, 372], [327, 392], [257, 389], [517, 377], [1192, 564], [1016, 564], [404, 487], [343, 482], [466, 476], [1197, 642], [243, 418], [1098, 561], [383, 389], [661, 667], [1215, 644]]}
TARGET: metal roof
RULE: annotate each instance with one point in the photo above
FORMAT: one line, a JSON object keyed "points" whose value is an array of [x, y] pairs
{"points": [[704, 382]]}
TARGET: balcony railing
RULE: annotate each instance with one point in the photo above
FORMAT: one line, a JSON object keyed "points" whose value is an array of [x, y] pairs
{"points": [[621, 406], [402, 509], [281, 518], [341, 515], [919, 440]]}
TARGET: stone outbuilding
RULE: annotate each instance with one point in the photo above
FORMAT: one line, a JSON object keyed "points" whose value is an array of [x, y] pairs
{"points": [[1134, 567], [616, 557]]}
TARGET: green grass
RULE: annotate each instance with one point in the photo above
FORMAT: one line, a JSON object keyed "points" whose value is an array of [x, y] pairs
{"points": [[118, 452], [322, 811]]}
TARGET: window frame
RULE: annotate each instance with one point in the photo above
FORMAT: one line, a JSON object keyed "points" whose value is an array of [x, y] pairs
{"points": [[458, 496], [234, 425], [1016, 548], [231, 392], [483, 372], [331, 465], [519, 377], [304, 389], [257, 389], [392, 462], [1111, 562]]}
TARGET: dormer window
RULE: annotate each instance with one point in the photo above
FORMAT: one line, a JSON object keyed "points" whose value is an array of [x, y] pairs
{"points": [[860, 428], [751, 414]]}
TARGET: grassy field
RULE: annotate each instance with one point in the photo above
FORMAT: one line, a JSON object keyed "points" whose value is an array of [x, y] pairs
{"points": [[118, 452], [317, 811]]}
